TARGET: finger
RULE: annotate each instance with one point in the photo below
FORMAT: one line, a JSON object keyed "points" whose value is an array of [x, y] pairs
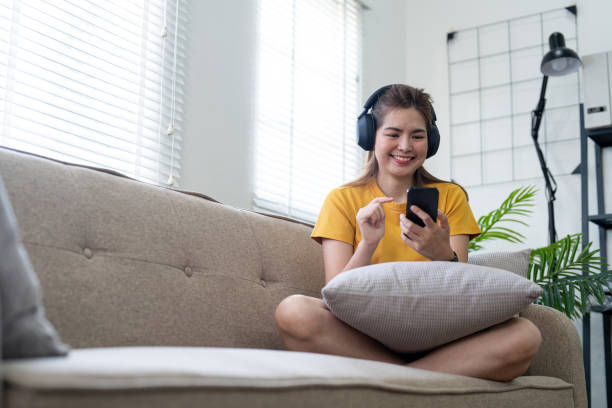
{"points": [[368, 211], [422, 215], [406, 223], [373, 214], [411, 229], [417, 241], [377, 221], [409, 240], [443, 220], [381, 212]]}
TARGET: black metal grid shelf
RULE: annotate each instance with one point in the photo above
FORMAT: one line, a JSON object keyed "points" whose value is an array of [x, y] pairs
{"points": [[603, 220], [603, 137], [605, 308]]}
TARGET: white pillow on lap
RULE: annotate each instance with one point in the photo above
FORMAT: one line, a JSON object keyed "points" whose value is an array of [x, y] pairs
{"points": [[417, 306]]}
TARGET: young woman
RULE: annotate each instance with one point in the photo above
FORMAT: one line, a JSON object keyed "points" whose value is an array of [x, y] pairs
{"points": [[363, 223]]}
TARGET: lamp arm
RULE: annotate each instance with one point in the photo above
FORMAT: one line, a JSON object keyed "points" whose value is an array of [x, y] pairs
{"points": [[536, 114], [536, 120]]}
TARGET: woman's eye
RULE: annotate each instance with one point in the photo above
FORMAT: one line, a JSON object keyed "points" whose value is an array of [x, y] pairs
{"points": [[419, 136], [392, 135]]}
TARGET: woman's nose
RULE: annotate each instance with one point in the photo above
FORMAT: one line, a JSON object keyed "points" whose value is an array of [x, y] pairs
{"points": [[405, 143]]}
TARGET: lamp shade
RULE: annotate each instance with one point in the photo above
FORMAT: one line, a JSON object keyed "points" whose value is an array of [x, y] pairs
{"points": [[560, 60]]}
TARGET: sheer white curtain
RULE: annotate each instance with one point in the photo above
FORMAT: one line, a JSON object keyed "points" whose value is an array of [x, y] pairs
{"points": [[95, 82], [306, 103]]}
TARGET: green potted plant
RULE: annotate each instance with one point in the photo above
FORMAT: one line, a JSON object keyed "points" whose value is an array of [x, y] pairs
{"points": [[567, 274]]}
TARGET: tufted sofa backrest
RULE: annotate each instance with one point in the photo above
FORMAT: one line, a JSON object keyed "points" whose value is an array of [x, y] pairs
{"points": [[126, 263]]}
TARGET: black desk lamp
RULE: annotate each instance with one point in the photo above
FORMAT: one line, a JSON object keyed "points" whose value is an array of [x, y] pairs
{"points": [[557, 62]]}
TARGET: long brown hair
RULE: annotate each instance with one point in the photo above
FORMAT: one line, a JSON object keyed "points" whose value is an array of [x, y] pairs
{"points": [[399, 96]]}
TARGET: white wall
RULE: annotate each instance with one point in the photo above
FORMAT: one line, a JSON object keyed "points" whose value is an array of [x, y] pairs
{"points": [[217, 148], [429, 22], [596, 31], [384, 44]]}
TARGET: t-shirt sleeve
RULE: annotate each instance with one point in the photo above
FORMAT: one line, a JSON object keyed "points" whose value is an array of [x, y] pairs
{"points": [[336, 219], [460, 217]]}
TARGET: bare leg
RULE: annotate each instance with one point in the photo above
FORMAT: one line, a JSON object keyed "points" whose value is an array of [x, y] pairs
{"points": [[305, 324], [501, 353]]}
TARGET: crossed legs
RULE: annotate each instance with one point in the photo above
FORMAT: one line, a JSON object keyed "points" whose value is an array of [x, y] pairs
{"points": [[502, 352]]}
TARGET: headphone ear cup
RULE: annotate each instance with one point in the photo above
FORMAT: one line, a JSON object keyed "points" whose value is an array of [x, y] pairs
{"points": [[366, 131], [433, 140]]}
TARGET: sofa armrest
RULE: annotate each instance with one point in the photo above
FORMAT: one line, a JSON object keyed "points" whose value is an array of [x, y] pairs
{"points": [[560, 353]]}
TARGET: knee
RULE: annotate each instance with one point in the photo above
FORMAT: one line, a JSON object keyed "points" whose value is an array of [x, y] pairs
{"points": [[527, 340], [523, 343], [298, 316]]}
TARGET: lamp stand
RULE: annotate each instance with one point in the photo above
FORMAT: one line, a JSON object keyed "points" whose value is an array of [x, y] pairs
{"points": [[551, 184]]}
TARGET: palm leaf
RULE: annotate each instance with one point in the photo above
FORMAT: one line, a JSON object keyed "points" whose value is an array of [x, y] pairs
{"points": [[518, 203], [569, 276]]}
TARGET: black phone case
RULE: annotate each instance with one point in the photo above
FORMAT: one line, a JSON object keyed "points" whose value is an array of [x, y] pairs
{"points": [[426, 198]]}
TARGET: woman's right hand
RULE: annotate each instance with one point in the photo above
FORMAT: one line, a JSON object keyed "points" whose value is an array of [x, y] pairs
{"points": [[371, 221]]}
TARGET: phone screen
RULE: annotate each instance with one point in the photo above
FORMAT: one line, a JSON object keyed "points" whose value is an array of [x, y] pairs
{"points": [[426, 198]]}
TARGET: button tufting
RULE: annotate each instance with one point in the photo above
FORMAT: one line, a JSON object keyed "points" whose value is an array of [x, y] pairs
{"points": [[263, 283], [87, 252], [188, 271]]}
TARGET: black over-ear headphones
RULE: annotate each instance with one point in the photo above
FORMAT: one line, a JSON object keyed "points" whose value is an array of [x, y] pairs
{"points": [[366, 126]]}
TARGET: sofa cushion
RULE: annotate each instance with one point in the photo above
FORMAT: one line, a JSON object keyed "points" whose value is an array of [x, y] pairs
{"points": [[516, 262], [417, 306], [179, 270], [253, 377], [25, 330]]}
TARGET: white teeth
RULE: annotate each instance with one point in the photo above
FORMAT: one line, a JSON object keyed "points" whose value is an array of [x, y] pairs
{"points": [[404, 158]]}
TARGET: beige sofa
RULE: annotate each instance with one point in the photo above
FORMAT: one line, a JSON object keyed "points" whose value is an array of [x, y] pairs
{"points": [[168, 298]]}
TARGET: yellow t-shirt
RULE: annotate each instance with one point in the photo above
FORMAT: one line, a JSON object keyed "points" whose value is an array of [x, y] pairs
{"points": [[337, 219]]}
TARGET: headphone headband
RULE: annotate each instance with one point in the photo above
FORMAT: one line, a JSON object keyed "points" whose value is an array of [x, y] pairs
{"points": [[375, 96]]}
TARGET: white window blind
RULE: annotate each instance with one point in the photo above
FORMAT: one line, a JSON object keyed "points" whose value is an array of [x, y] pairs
{"points": [[95, 82], [306, 103]]}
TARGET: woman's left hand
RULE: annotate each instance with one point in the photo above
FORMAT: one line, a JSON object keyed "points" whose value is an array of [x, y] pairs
{"points": [[431, 241]]}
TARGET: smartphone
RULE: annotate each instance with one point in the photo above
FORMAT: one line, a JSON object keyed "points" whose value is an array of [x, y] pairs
{"points": [[426, 198]]}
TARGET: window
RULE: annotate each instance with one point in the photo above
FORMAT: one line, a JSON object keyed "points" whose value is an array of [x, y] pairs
{"points": [[97, 83], [306, 103]]}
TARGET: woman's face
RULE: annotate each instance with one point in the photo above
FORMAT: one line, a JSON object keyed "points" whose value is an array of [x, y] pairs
{"points": [[401, 143]]}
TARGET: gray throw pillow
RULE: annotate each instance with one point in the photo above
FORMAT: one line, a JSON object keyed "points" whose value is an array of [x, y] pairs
{"points": [[25, 330], [515, 262], [417, 306]]}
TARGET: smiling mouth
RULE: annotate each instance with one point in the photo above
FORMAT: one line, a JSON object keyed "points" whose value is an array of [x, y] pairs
{"points": [[402, 159]]}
